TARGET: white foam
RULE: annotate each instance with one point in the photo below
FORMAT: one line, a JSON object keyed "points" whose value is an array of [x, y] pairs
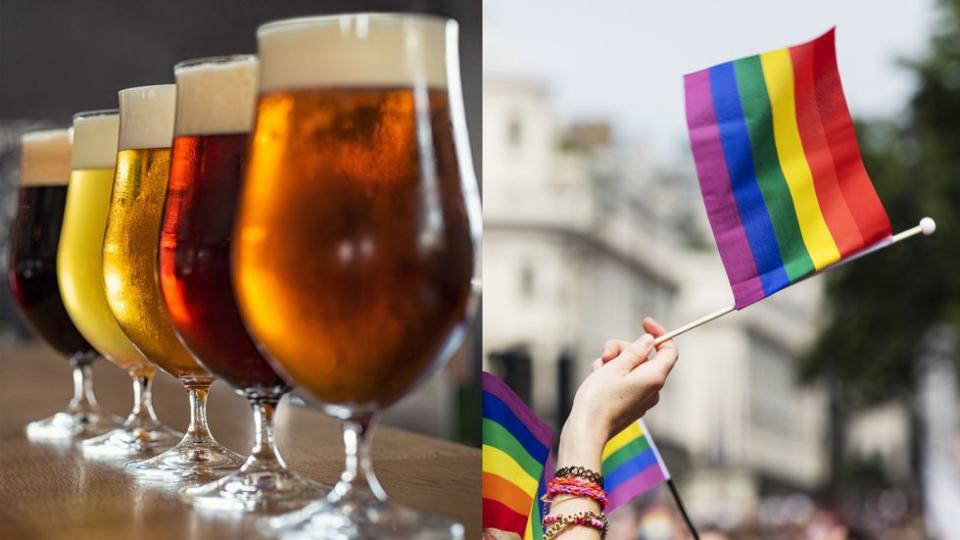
{"points": [[146, 116], [216, 97], [376, 49], [95, 140], [45, 158]]}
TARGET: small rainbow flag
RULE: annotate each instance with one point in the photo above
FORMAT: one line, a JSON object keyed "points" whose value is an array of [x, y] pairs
{"points": [[516, 461], [780, 169], [632, 465]]}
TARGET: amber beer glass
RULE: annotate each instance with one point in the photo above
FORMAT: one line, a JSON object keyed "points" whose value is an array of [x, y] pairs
{"points": [[131, 277], [32, 274], [357, 232], [215, 106]]}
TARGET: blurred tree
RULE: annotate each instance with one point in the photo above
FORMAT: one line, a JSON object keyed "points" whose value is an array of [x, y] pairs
{"points": [[879, 310]]}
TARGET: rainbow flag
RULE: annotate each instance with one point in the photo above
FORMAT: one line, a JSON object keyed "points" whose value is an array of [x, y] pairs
{"points": [[780, 169], [632, 465], [516, 461]]}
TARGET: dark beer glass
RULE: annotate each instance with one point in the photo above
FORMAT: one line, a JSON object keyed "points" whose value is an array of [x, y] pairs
{"points": [[357, 234], [132, 281], [215, 107], [32, 274]]}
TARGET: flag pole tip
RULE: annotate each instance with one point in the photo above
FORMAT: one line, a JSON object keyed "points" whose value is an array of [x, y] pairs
{"points": [[928, 226]]}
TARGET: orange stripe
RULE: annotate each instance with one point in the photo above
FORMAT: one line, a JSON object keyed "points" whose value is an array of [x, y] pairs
{"points": [[510, 495]]}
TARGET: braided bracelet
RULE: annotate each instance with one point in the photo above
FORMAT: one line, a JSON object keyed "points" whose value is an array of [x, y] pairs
{"points": [[577, 487], [556, 524], [580, 472]]}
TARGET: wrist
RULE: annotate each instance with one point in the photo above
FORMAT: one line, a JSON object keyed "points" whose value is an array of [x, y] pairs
{"points": [[581, 443]]}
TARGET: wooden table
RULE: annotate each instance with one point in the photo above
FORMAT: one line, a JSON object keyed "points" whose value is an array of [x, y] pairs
{"points": [[49, 492]]}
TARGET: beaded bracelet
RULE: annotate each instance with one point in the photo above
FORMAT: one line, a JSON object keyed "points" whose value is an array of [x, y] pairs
{"points": [[558, 523], [577, 487], [580, 472]]}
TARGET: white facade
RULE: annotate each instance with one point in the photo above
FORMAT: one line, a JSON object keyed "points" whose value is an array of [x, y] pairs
{"points": [[580, 246]]}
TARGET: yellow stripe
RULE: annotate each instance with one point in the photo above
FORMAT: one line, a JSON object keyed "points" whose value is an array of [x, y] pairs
{"points": [[621, 439], [498, 462], [778, 74], [528, 533]]}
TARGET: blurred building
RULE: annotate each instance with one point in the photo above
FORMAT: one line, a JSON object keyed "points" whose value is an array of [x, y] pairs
{"points": [[582, 239]]}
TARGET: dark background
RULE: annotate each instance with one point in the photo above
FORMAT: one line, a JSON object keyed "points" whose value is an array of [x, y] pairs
{"points": [[60, 57]]}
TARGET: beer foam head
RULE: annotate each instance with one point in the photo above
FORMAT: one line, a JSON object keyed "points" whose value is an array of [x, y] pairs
{"points": [[146, 116], [366, 49], [95, 140], [45, 157], [216, 95]]}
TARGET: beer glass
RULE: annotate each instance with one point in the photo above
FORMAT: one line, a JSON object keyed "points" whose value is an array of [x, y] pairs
{"points": [[80, 274], [131, 277], [215, 106], [32, 274], [357, 234]]}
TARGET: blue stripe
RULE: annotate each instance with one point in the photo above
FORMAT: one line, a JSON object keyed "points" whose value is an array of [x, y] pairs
{"points": [[498, 411], [629, 469], [743, 177]]}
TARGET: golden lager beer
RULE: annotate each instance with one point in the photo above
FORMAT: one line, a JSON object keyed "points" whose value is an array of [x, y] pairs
{"points": [[132, 280], [131, 241]]}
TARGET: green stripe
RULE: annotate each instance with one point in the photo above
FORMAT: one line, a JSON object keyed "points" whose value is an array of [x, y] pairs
{"points": [[624, 454], [497, 436], [773, 185]]}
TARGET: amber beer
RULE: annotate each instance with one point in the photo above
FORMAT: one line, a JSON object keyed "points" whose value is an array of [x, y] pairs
{"points": [[355, 253], [131, 241], [35, 235], [209, 152]]}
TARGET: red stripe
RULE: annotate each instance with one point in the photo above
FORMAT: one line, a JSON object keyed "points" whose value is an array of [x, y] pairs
{"points": [[839, 220], [498, 516], [858, 191]]}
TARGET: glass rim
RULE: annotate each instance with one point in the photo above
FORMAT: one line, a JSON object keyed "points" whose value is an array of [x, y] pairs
{"points": [[144, 87], [95, 113], [41, 130], [334, 17], [218, 59]]}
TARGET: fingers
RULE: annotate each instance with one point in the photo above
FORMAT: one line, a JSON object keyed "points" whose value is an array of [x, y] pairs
{"points": [[635, 353], [656, 330], [597, 364], [653, 373], [612, 348]]}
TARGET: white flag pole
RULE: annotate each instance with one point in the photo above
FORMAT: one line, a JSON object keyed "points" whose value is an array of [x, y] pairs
{"points": [[927, 226]]}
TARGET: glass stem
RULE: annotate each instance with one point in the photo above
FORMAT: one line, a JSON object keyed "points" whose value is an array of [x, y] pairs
{"points": [[264, 453], [142, 412], [198, 430], [83, 397], [358, 475]]}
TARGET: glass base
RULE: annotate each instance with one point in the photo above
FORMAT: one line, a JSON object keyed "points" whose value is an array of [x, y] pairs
{"points": [[70, 425], [360, 517], [131, 441], [256, 490], [189, 461]]}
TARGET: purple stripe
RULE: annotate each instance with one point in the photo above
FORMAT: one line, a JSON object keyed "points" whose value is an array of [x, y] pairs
{"points": [[537, 427], [718, 192], [650, 478]]}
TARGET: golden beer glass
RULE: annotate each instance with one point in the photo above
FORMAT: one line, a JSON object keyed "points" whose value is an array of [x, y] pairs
{"points": [[357, 234], [131, 278], [80, 274], [32, 276]]}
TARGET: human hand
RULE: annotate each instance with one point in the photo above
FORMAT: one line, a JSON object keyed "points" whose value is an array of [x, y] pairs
{"points": [[622, 387]]}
